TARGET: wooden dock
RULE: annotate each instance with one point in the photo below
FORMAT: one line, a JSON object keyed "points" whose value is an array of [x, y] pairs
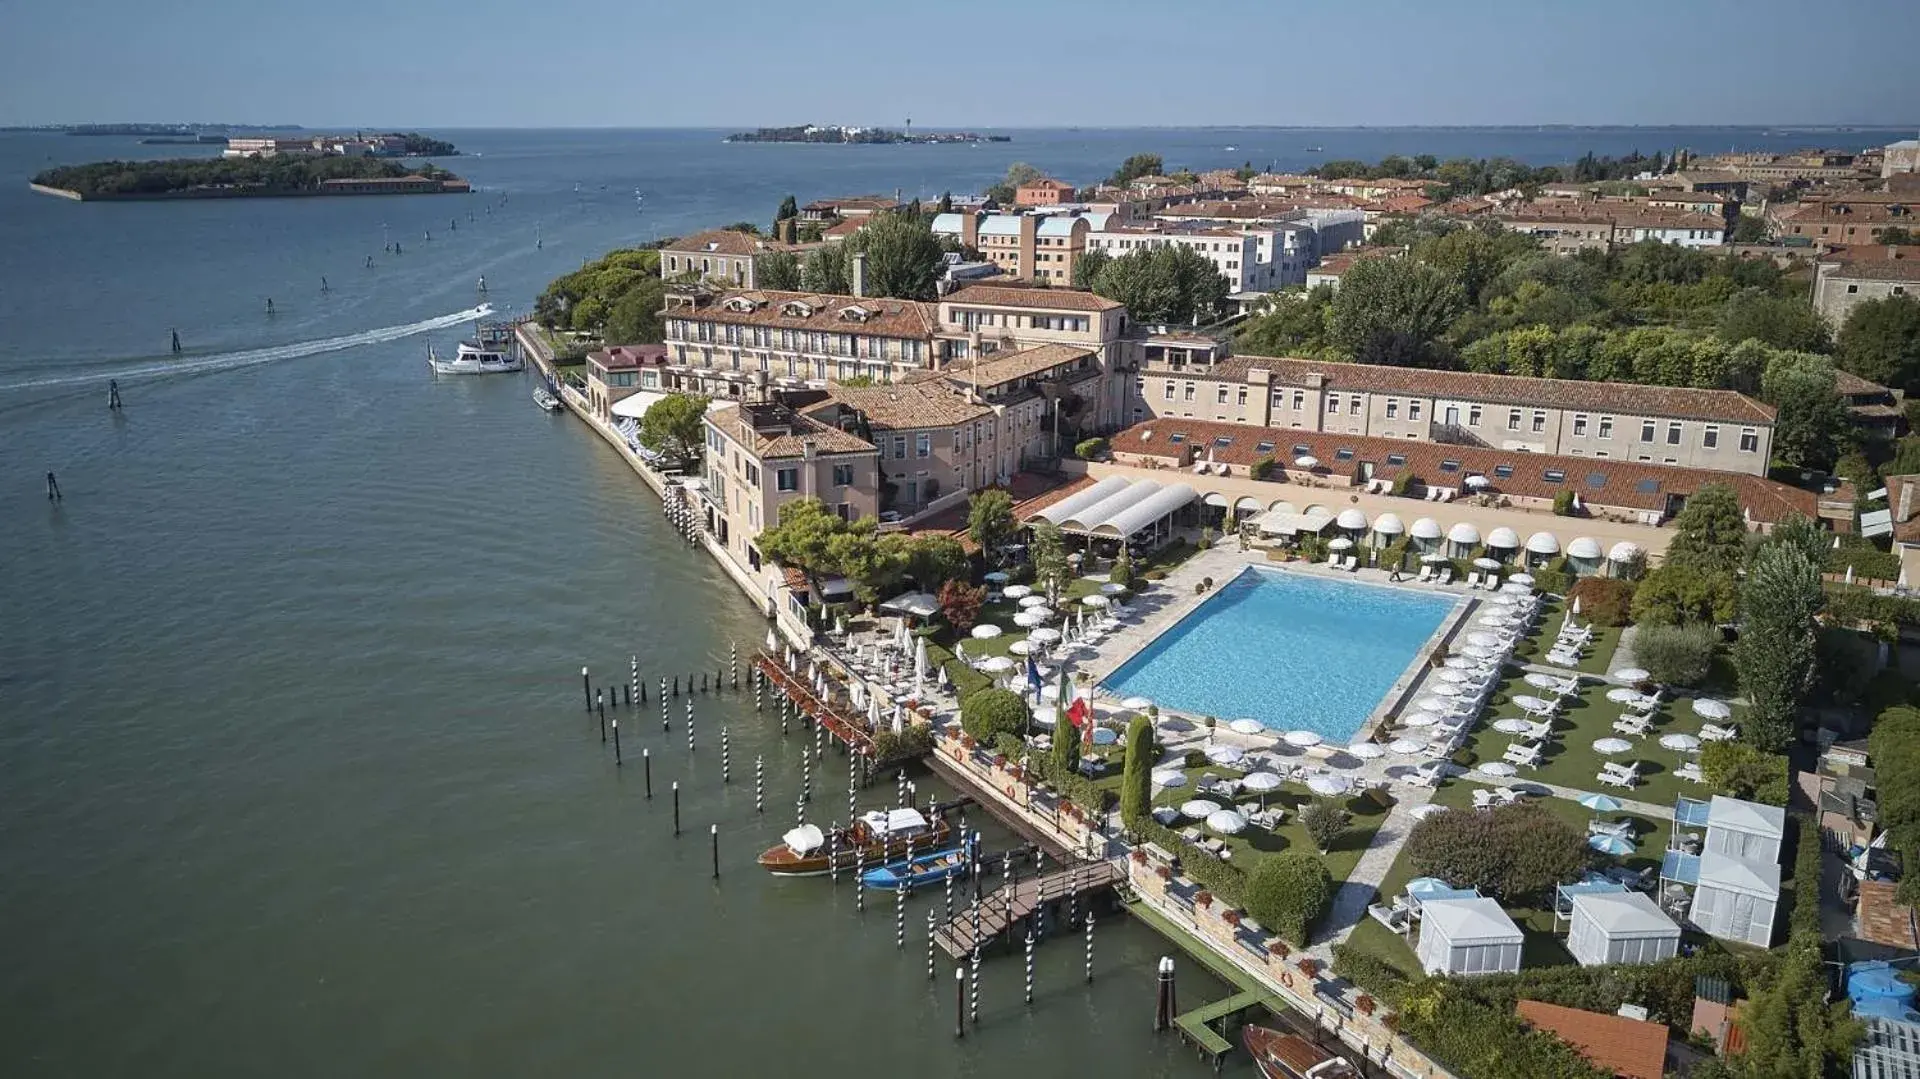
{"points": [[965, 781], [1008, 904], [840, 725]]}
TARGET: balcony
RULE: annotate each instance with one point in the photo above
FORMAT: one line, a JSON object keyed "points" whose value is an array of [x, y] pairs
{"points": [[1457, 435]]}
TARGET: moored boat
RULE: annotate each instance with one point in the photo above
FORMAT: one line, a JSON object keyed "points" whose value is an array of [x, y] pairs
{"points": [[546, 400], [474, 358], [876, 837], [915, 872], [1289, 1056]]}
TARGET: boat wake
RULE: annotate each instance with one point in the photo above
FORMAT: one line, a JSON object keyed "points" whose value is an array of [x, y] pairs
{"points": [[253, 357]]}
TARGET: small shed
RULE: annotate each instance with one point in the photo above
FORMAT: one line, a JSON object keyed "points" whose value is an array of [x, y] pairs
{"points": [[1468, 936], [1620, 927], [1736, 899], [1746, 830]]}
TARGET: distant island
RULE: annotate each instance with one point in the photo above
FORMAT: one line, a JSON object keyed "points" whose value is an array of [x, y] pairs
{"points": [[246, 177], [833, 133]]}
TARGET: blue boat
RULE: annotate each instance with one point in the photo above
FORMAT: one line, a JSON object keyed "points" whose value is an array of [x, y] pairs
{"points": [[926, 869]]}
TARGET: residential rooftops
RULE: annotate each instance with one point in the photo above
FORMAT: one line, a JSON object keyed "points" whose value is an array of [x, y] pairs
{"points": [[817, 311], [1052, 299], [1000, 368], [1629, 1048], [908, 404]]}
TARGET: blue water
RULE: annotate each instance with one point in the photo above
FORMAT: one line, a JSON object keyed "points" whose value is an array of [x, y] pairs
{"points": [[1292, 651]]}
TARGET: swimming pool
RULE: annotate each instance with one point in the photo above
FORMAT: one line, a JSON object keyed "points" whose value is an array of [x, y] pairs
{"points": [[1293, 651]]}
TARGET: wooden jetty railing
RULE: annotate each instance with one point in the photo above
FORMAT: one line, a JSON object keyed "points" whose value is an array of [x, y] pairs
{"points": [[845, 729], [1006, 905]]}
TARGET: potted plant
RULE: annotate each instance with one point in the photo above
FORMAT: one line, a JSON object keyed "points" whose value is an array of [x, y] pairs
{"points": [[1230, 916], [1308, 965], [1164, 872], [1278, 948], [1203, 899], [1139, 856], [1363, 1004]]}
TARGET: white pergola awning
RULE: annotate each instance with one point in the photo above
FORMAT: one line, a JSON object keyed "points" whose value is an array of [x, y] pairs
{"points": [[1146, 511], [1065, 508], [1286, 522], [1086, 518]]}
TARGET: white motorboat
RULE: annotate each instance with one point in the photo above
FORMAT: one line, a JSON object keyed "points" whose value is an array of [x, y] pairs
{"points": [[474, 358], [545, 400]]}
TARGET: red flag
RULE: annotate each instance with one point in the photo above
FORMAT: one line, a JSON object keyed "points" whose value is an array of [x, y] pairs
{"points": [[1081, 716]]}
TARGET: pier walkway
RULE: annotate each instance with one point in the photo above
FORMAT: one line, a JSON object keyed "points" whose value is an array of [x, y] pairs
{"points": [[1004, 908], [842, 727]]}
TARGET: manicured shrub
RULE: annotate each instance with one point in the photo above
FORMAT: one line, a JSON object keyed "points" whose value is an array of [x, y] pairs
{"points": [[1325, 820], [1676, 655], [1563, 503], [1604, 601], [993, 712], [1262, 468], [1511, 852], [1288, 892], [1136, 776], [1741, 771], [1090, 448]]}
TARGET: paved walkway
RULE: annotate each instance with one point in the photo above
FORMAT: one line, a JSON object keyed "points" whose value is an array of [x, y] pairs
{"points": [[1358, 890]]}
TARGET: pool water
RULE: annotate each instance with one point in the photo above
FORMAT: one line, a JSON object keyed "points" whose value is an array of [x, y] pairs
{"points": [[1293, 651]]}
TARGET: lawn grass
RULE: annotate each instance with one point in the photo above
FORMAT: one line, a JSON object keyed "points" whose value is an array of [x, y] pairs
{"points": [[1534, 647], [1573, 762]]}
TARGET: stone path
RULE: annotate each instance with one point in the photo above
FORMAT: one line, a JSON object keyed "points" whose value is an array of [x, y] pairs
{"points": [[1358, 890]]}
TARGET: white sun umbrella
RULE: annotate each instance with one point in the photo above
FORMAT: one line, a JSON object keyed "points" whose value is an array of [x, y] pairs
{"points": [[1302, 739], [1504, 600], [997, 665], [1486, 563], [1406, 747], [771, 644], [1247, 726], [1683, 743], [1533, 705], [1497, 769], [1339, 543], [1446, 689], [1433, 702], [1029, 618], [1510, 725], [1261, 782], [1226, 822], [1136, 704], [1200, 808], [1169, 778], [1515, 588], [1329, 785], [1418, 720], [1033, 601], [1708, 708], [1094, 601], [1220, 754], [1113, 588], [1542, 681], [1434, 558], [1366, 751], [1522, 579], [1045, 635], [986, 631], [1495, 620], [1306, 460], [1020, 648], [1017, 591], [1611, 746], [1622, 694], [1461, 663], [1455, 676], [1632, 674], [920, 660], [1046, 716], [1485, 639], [1431, 809], [1480, 651]]}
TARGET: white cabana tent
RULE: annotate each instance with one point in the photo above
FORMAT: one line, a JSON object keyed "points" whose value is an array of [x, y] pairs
{"points": [[1623, 552], [1746, 830], [917, 604], [1543, 545], [1620, 927], [1503, 539], [1468, 936], [1388, 528], [1425, 533], [1583, 554], [1351, 520], [1736, 899], [1464, 536]]}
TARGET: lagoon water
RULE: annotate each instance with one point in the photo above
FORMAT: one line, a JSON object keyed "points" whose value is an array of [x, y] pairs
{"points": [[295, 774]]}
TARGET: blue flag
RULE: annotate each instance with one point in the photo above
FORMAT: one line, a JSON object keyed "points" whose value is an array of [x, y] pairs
{"points": [[1033, 678]]}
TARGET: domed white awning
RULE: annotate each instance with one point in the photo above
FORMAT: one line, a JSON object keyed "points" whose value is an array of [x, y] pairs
{"points": [[1388, 524], [1543, 543], [1624, 551], [1426, 528], [1248, 504], [1351, 519], [1464, 533], [1584, 547], [1215, 498], [1504, 538]]}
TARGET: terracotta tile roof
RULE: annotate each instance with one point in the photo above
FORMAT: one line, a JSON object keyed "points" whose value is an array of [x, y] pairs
{"points": [[1884, 920], [1341, 261], [1463, 207], [1251, 209], [1599, 481], [1004, 367], [719, 242], [817, 311], [1876, 270], [908, 404], [1848, 384], [844, 229], [628, 357], [1619, 397], [1852, 211], [790, 438], [1046, 183], [1630, 1048], [1398, 204], [854, 203], [1052, 299]]}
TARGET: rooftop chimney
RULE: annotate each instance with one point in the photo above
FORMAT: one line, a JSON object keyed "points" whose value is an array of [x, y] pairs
{"points": [[858, 274]]}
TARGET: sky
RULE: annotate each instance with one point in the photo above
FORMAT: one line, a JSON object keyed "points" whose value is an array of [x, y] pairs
{"points": [[981, 63]]}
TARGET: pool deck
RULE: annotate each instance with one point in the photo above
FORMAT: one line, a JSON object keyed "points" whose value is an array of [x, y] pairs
{"points": [[1171, 600]]}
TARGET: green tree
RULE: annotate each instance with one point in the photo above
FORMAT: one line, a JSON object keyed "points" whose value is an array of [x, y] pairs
{"points": [[1066, 747], [1791, 1030], [826, 270], [990, 521], [746, 227], [814, 540], [1288, 892], [1475, 257], [675, 426], [1811, 424], [1134, 167], [1676, 655], [992, 712], [1295, 326], [778, 270], [960, 604], [1750, 229], [1387, 299], [1049, 552], [1801, 534], [1173, 284], [1881, 342], [1018, 173], [1136, 777], [1710, 533], [1787, 322], [1683, 595], [934, 560], [946, 203], [903, 257], [1512, 852], [1777, 647], [1739, 770], [1122, 571], [788, 208], [1326, 821], [1087, 269], [634, 319]]}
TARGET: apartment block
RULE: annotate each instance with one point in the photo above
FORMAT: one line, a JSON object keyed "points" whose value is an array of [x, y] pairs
{"points": [[740, 344]]}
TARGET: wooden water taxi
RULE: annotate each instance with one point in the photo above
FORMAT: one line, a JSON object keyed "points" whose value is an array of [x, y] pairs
{"points": [[1289, 1056], [875, 838]]}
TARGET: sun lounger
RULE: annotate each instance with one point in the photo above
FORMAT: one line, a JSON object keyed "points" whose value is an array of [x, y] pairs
{"points": [[1473, 579], [1623, 828], [1426, 573], [1613, 780], [1631, 725], [1482, 798], [1690, 772], [1446, 574], [1713, 732], [1522, 756], [1560, 658]]}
